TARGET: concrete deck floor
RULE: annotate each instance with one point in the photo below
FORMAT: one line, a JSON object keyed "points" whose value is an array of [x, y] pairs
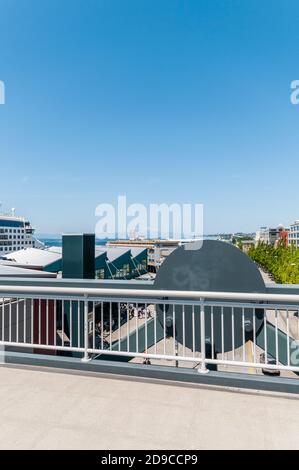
{"points": [[52, 410]]}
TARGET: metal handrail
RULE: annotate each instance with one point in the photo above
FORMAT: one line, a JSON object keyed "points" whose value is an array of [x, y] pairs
{"points": [[146, 293], [23, 320]]}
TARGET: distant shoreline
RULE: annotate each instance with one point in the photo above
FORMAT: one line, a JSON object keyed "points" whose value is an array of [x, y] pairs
{"points": [[56, 240]]}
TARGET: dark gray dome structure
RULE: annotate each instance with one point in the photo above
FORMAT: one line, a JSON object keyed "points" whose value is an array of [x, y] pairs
{"points": [[213, 266]]}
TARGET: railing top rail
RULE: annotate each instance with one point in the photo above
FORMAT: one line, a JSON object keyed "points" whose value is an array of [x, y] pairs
{"points": [[11, 290]]}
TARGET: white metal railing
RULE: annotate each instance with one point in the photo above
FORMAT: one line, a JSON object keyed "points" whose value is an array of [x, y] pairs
{"points": [[181, 328]]}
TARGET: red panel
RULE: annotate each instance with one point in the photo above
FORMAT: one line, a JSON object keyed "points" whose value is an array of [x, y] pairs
{"points": [[40, 333]]}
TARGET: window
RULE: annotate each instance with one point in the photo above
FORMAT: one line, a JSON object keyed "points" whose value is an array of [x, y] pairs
{"points": [[100, 273]]}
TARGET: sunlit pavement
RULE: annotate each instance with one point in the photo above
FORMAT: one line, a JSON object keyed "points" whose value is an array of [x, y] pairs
{"points": [[57, 410]]}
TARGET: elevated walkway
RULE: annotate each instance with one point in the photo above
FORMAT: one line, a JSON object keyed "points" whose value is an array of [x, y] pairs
{"points": [[50, 409]]}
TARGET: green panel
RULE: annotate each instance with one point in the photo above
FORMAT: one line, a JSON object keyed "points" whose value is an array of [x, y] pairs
{"points": [[74, 323], [116, 267], [137, 260], [133, 341], [282, 345], [78, 256], [78, 262], [100, 261], [54, 267]]}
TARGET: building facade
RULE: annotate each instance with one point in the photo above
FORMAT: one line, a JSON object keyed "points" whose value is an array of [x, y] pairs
{"points": [[294, 234], [157, 250], [272, 235], [16, 233]]}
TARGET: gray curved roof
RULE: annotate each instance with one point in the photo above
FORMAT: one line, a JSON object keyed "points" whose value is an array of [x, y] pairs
{"points": [[34, 257], [136, 251], [113, 253], [13, 271]]}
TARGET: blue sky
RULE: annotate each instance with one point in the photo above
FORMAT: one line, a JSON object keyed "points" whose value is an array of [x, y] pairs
{"points": [[164, 101]]}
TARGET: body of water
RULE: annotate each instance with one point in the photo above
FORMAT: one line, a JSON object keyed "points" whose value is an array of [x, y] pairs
{"points": [[57, 240]]}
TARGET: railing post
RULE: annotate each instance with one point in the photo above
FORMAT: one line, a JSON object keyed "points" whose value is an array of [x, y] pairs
{"points": [[202, 369], [86, 357]]}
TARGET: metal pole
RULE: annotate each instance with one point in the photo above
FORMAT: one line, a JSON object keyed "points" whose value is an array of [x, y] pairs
{"points": [[202, 369], [176, 352], [86, 357]]}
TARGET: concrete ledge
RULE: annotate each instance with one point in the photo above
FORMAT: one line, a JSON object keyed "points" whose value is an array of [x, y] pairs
{"points": [[180, 375]]}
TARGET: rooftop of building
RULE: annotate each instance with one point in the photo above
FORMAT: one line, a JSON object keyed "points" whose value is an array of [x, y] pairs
{"points": [[112, 252], [34, 257], [136, 251], [15, 271], [144, 242], [55, 249], [48, 409]]}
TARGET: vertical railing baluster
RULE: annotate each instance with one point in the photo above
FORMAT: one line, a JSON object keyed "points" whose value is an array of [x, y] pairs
{"points": [[233, 332], [128, 328], [173, 329], [55, 322], [193, 331], [79, 322], [276, 337], [202, 369], [137, 331], [93, 325], [155, 326], [222, 334], [102, 325], [39, 321], [265, 337], [288, 338], [62, 321], [212, 331], [110, 325], [71, 323], [146, 339], [86, 332], [184, 331], [3, 317], [32, 321], [164, 329], [243, 335], [254, 336], [24, 320], [17, 319], [119, 326], [47, 321], [9, 320]]}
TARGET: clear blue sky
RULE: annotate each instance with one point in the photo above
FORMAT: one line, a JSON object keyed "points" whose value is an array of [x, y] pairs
{"points": [[165, 101]]}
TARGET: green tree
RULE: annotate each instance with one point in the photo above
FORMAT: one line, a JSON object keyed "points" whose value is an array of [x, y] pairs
{"points": [[281, 261]]}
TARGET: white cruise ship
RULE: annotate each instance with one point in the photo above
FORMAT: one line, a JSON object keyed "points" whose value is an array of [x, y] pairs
{"points": [[16, 233]]}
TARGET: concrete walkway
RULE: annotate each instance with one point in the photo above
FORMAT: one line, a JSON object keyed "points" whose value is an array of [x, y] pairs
{"points": [[266, 276], [51, 410]]}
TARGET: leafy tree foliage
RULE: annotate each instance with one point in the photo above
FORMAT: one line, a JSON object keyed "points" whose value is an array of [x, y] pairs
{"points": [[281, 261]]}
